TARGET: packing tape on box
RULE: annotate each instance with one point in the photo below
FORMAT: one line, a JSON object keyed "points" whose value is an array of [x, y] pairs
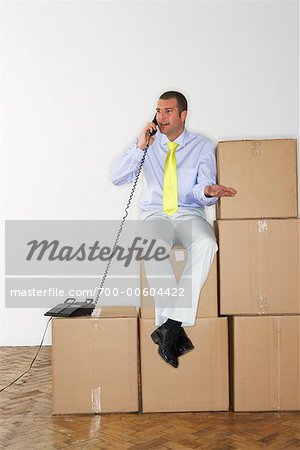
{"points": [[97, 311], [96, 399], [94, 325], [262, 303], [256, 148], [179, 255], [262, 226], [261, 297], [277, 363]]}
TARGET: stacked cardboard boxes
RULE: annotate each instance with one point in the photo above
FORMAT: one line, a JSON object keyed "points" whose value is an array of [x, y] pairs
{"points": [[259, 272], [96, 359], [200, 383], [96, 366]]}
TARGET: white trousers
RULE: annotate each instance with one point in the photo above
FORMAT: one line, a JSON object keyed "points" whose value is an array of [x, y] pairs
{"points": [[188, 227]]}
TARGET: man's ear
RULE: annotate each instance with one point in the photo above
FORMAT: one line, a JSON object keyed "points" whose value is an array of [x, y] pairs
{"points": [[183, 115]]}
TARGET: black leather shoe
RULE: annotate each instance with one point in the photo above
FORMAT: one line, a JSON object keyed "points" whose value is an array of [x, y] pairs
{"points": [[184, 344], [167, 341]]}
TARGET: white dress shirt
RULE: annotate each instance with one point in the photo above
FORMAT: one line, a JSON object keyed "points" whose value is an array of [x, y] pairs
{"points": [[196, 169]]}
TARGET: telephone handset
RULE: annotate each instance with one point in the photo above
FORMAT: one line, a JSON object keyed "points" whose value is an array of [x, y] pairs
{"points": [[152, 133]]}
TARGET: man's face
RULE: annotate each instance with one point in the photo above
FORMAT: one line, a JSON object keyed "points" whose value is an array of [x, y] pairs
{"points": [[170, 121]]}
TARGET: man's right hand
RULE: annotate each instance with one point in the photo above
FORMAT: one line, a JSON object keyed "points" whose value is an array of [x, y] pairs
{"points": [[217, 190], [145, 137]]}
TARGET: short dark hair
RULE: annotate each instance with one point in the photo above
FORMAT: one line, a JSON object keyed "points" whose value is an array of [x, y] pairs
{"points": [[181, 100]]}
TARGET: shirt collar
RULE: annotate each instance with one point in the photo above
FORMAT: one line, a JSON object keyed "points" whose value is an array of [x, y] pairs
{"points": [[180, 140]]}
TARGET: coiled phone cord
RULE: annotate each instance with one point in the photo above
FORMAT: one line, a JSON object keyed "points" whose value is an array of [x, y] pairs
{"points": [[121, 225]]}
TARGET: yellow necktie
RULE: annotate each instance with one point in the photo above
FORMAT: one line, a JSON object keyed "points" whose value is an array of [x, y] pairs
{"points": [[170, 193]]}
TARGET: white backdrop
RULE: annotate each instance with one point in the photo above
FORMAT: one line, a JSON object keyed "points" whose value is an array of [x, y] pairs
{"points": [[80, 79]]}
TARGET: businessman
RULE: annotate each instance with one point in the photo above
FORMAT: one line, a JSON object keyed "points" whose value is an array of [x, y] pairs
{"points": [[179, 181]]}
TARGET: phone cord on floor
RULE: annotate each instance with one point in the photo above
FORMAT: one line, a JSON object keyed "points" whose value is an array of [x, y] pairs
{"points": [[32, 362]]}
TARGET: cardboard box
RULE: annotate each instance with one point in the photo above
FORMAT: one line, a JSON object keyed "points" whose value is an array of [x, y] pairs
{"points": [[264, 173], [266, 363], [208, 301], [259, 266], [200, 383], [95, 362]]}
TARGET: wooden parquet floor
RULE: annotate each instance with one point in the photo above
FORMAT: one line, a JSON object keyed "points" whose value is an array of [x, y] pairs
{"points": [[26, 421]]}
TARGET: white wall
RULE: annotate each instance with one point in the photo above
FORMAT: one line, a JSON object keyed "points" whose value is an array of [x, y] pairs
{"points": [[79, 80]]}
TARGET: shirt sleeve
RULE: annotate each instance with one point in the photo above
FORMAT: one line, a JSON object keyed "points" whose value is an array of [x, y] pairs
{"points": [[206, 175], [125, 168]]}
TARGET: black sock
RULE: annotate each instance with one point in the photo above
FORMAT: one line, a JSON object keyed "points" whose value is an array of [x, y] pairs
{"points": [[172, 324]]}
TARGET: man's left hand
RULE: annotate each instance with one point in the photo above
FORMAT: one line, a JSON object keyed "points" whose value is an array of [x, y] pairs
{"points": [[217, 190]]}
